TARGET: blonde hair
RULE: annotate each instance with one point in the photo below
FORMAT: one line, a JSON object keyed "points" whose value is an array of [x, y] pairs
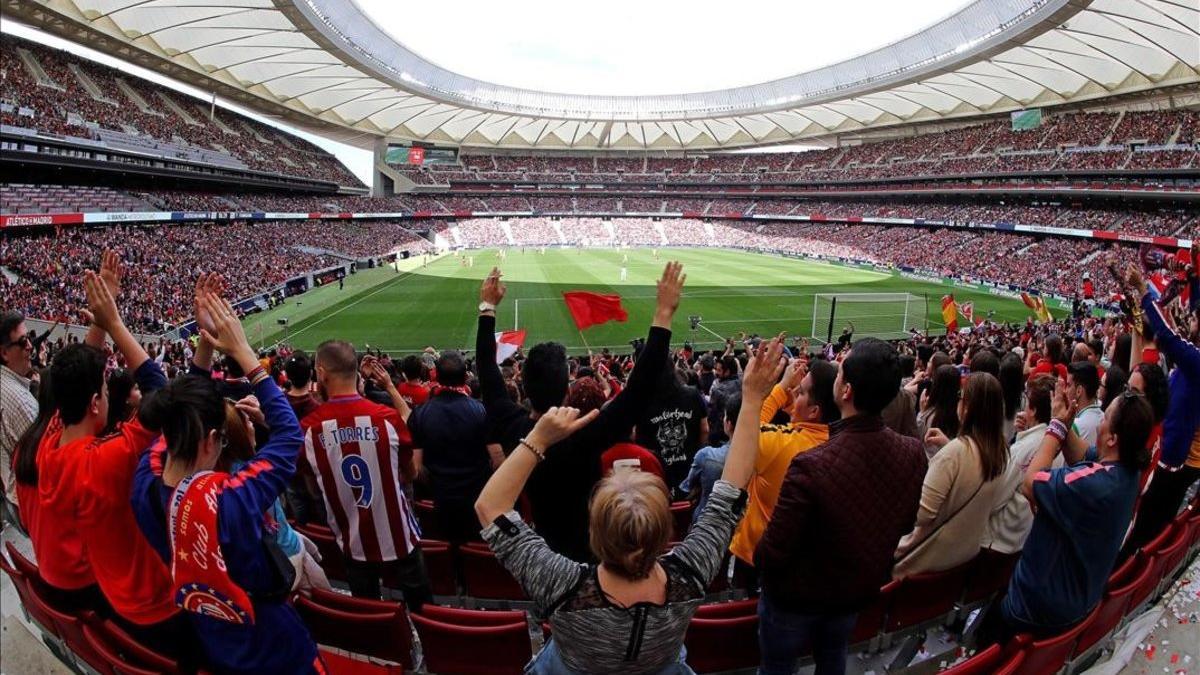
{"points": [[630, 523]]}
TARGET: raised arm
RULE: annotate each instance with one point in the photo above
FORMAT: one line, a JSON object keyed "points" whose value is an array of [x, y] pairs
{"points": [[102, 312], [491, 382], [1183, 353], [260, 482], [781, 394], [1058, 438], [505, 485], [762, 371], [622, 412]]}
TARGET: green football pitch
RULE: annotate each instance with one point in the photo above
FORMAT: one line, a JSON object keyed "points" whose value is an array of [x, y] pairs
{"points": [[407, 309]]}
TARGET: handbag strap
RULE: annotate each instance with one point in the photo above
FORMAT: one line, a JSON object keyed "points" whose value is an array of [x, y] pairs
{"points": [[944, 522]]}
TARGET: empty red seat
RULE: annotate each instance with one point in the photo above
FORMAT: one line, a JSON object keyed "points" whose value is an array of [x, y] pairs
{"points": [[1111, 610], [439, 563], [722, 643], [979, 664], [452, 649], [922, 598], [1048, 656], [383, 634], [1171, 555], [485, 577], [989, 575], [135, 652]]}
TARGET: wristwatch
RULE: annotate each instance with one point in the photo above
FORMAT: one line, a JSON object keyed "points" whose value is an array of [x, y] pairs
{"points": [[486, 307]]}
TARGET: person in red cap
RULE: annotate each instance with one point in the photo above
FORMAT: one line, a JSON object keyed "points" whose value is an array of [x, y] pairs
{"points": [[630, 456]]}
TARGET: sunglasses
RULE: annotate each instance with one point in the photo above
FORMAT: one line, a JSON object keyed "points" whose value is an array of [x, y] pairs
{"points": [[23, 341]]}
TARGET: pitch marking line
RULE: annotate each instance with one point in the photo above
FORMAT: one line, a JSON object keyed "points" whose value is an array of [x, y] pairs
{"points": [[382, 287]]}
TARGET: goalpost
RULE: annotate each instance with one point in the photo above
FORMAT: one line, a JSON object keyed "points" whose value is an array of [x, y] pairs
{"points": [[887, 316]]}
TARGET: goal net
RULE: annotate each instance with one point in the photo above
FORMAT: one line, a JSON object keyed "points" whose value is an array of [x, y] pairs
{"points": [[887, 316]]}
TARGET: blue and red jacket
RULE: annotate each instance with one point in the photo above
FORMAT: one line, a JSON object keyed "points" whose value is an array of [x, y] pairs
{"points": [[277, 641], [1183, 406]]}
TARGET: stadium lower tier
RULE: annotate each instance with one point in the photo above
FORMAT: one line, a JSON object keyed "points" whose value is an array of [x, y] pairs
{"points": [[39, 267]]}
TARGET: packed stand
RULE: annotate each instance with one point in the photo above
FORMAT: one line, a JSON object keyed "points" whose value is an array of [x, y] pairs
{"points": [[619, 500]]}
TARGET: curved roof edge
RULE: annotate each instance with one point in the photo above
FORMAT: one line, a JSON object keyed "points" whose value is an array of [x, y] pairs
{"points": [[964, 37]]}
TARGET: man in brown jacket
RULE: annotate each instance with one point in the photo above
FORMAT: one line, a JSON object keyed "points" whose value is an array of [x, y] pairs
{"points": [[843, 507]]}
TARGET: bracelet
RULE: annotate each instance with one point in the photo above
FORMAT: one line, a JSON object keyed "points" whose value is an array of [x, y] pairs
{"points": [[1058, 430], [536, 453], [257, 375]]}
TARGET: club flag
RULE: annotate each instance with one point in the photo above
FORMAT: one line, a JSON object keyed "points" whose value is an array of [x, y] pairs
{"points": [[589, 309], [950, 313], [967, 309], [508, 342], [1038, 304], [1089, 289]]}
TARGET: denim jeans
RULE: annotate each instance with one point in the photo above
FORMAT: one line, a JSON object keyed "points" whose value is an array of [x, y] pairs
{"points": [[549, 662], [784, 636]]}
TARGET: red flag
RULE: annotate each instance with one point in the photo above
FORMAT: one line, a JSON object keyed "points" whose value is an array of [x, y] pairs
{"points": [[508, 342], [589, 309]]}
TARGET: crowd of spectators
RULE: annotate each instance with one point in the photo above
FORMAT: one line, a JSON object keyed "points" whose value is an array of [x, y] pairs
{"points": [[57, 101], [1025, 439], [1163, 139], [161, 260]]}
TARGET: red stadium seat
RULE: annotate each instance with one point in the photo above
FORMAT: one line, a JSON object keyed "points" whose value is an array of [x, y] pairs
{"points": [[980, 664], [1111, 611], [349, 603], [473, 617], [383, 635], [21, 584], [722, 643], [332, 560], [1174, 550], [719, 610], [1012, 664], [452, 649], [1124, 571], [922, 598], [24, 565], [427, 519], [870, 621], [485, 577], [135, 652], [989, 575], [69, 627], [439, 563], [108, 657], [681, 517], [1048, 656]]}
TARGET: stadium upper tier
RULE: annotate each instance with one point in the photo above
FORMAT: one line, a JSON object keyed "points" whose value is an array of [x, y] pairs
{"points": [[1105, 141], [324, 64], [57, 93]]}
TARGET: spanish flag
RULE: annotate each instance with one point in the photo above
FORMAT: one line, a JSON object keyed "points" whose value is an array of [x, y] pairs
{"points": [[950, 313]]}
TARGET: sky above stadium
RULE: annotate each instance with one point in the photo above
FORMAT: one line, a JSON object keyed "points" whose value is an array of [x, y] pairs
{"points": [[635, 47], [624, 47]]}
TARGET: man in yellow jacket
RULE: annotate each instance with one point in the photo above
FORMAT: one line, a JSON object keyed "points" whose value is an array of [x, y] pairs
{"points": [[806, 394]]}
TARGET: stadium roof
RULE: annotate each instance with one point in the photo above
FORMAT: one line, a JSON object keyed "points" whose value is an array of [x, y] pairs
{"points": [[326, 66]]}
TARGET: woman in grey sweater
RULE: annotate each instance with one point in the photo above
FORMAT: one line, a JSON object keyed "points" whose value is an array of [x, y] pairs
{"points": [[628, 613]]}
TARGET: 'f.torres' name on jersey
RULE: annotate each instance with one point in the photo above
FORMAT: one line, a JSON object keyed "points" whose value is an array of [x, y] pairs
{"points": [[343, 435]]}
